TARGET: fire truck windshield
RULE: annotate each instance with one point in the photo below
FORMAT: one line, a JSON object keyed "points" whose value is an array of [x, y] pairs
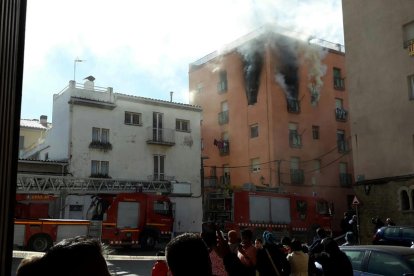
{"points": [[322, 208], [162, 207]]}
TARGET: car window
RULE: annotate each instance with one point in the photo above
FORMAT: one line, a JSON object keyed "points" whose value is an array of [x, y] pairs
{"points": [[355, 257], [391, 232], [386, 264], [408, 233]]}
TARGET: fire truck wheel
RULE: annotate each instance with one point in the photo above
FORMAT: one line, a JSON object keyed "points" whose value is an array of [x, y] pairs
{"points": [[148, 241], [40, 243]]}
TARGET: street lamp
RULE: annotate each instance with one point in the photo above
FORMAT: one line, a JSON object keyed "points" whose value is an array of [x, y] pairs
{"points": [[74, 67]]}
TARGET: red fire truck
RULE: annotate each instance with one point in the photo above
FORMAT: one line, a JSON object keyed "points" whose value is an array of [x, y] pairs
{"points": [[124, 219], [281, 213]]}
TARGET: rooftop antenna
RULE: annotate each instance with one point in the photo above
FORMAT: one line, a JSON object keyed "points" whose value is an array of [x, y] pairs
{"points": [[171, 95], [74, 67]]}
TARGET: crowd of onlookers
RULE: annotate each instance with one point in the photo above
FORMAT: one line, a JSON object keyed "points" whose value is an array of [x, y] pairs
{"points": [[206, 254], [245, 255]]}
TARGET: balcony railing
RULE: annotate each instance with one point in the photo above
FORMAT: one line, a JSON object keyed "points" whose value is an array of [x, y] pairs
{"points": [[341, 114], [100, 145], [295, 140], [297, 176], [343, 146], [223, 117], [293, 106], [160, 136], [339, 83], [345, 179], [210, 181], [160, 177]]}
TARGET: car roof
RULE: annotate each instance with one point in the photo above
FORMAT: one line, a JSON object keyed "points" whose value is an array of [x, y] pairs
{"points": [[399, 250], [398, 226]]}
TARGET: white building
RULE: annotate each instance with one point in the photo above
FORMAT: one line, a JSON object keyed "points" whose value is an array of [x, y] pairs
{"points": [[103, 134]]}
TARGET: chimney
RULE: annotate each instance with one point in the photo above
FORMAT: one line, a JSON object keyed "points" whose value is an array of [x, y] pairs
{"points": [[43, 120], [171, 95]]}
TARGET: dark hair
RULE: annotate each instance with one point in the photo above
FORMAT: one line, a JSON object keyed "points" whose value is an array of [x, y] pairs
{"points": [[321, 233], [247, 233], [296, 245], [187, 255], [79, 256], [286, 241]]}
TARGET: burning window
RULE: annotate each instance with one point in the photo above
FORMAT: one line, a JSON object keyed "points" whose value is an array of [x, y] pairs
{"points": [[222, 84]]}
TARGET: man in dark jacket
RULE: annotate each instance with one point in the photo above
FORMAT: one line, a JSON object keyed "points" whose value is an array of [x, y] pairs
{"points": [[334, 262], [271, 257]]}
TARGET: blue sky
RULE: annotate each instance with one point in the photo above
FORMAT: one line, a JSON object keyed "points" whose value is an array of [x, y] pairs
{"points": [[143, 48]]}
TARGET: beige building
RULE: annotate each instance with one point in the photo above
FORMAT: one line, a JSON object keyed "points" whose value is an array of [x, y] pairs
{"points": [[380, 81], [32, 131]]}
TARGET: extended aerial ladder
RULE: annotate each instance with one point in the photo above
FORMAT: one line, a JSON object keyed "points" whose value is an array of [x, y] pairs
{"points": [[53, 184]]}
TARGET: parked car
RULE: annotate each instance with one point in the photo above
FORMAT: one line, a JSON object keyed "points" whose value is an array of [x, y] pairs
{"points": [[394, 235], [387, 260]]}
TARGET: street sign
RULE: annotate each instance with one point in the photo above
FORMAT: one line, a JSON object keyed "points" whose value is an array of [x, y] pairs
{"points": [[355, 201]]}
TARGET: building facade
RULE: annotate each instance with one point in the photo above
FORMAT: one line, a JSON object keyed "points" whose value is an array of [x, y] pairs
{"points": [[380, 79], [107, 135], [275, 115]]}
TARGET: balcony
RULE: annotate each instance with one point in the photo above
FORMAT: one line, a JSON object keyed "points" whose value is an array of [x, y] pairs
{"points": [[295, 140], [105, 146], [160, 136], [224, 147], [223, 117], [339, 83], [341, 114], [293, 106], [345, 179], [296, 176], [343, 146]]}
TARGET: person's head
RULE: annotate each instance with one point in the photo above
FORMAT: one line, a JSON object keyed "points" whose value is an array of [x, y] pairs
{"points": [[258, 243], [349, 237], [321, 233], [296, 245], [30, 266], [73, 256], [286, 241], [247, 236], [388, 221], [330, 246], [268, 238], [233, 237], [188, 255]]}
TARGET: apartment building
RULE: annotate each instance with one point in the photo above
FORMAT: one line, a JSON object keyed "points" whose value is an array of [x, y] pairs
{"points": [[108, 135], [275, 115], [380, 80]]}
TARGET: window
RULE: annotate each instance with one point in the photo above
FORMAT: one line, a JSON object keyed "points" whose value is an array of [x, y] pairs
{"points": [[182, 125], [99, 168], [200, 87], [255, 165], [410, 80], [162, 207], [340, 113], [296, 174], [317, 166], [385, 264], [254, 131], [100, 135], [222, 84], [132, 118], [405, 201], [223, 117], [315, 132], [295, 140], [339, 83], [341, 143], [159, 161], [408, 34]]}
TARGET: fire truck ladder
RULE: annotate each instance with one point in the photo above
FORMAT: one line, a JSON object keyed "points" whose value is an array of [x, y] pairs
{"points": [[95, 229], [52, 184]]}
